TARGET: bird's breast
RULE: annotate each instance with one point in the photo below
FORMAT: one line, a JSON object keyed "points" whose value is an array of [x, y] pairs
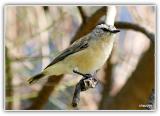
{"points": [[90, 59]]}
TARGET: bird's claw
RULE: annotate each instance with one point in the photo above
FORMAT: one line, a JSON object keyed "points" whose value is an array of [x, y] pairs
{"points": [[90, 82]]}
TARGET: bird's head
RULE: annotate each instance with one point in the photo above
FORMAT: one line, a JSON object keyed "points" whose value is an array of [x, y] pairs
{"points": [[104, 30]]}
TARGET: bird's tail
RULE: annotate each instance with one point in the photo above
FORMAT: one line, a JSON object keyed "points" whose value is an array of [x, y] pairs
{"points": [[35, 78]]}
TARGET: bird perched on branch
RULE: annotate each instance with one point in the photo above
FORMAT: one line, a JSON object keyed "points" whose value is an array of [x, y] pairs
{"points": [[84, 56]]}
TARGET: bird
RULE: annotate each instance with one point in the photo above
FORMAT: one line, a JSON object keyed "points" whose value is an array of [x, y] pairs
{"points": [[85, 56]]}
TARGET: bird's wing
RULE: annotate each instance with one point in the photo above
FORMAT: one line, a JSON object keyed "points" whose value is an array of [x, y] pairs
{"points": [[77, 46]]}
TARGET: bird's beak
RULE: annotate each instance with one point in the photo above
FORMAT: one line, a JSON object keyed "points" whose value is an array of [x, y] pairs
{"points": [[115, 31]]}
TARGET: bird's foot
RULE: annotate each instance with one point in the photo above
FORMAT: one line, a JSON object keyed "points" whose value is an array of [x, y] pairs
{"points": [[88, 81]]}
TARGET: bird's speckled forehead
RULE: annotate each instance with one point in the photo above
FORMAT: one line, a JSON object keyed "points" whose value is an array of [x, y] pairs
{"points": [[102, 26], [110, 27]]}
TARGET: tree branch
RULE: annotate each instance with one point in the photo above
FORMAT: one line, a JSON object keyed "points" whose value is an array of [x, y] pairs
{"points": [[107, 85], [82, 13], [89, 24], [92, 21], [119, 24], [110, 15], [135, 27]]}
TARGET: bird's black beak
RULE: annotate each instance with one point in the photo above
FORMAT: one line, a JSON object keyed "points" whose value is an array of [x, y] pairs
{"points": [[115, 31]]}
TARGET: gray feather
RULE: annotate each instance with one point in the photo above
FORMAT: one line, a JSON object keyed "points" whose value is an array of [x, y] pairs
{"points": [[77, 46]]}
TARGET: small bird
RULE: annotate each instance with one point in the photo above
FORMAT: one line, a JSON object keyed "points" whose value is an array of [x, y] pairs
{"points": [[86, 55]]}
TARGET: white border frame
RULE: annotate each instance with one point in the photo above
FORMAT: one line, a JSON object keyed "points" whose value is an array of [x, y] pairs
{"points": [[30, 4]]}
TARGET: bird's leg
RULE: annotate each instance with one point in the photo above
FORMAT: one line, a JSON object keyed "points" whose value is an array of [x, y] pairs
{"points": [[86, 76]]}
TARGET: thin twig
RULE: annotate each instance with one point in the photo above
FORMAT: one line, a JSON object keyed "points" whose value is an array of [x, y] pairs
{"points": [[76, 96], [82, 13]]}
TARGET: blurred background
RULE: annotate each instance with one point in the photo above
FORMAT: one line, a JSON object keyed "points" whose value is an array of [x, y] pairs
{"points": [[35, 35]]}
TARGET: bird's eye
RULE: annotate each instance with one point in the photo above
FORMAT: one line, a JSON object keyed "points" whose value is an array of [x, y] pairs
{"points": [[105, 29]]}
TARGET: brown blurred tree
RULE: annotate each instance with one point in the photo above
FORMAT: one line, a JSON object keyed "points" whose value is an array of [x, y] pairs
{"points": [[138, 88]]}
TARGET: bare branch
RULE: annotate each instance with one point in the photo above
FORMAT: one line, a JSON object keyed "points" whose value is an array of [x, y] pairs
{"points": [[89, 24], [93, 21], [135, 27], [119, 24], [107, 85], [110, 15], [82, 13]]}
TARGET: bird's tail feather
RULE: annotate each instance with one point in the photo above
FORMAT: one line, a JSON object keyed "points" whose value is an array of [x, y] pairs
{"points": [[35, 78]]}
